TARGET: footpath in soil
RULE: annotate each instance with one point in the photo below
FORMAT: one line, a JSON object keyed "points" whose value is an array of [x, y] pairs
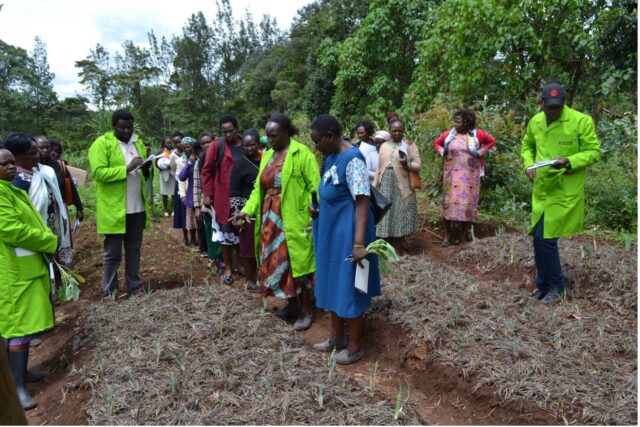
{"points": [[455, 325]]}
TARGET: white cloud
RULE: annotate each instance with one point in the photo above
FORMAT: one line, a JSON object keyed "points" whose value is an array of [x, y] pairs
{"points": [[70, 28]]}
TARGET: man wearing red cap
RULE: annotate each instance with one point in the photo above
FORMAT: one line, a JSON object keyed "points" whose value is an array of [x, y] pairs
{"points": [[568, 139]]}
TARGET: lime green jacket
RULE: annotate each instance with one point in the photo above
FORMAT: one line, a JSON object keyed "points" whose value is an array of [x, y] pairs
{"points": [[300, 175], [24, 283], [109, 173], [559, 193]]}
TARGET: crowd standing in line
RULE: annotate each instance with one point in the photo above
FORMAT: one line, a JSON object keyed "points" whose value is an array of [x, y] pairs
{"points": [[251, 210]]}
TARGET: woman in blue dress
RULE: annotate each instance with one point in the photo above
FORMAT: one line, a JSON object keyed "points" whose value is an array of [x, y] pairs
{"points": [[343, 227]]}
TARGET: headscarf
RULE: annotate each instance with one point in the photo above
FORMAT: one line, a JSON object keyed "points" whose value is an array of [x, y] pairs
{"points": [[382, 134]]}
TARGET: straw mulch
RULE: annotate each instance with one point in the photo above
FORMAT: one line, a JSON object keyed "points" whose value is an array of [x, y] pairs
{"points": [[210, 355], [576, 359]]}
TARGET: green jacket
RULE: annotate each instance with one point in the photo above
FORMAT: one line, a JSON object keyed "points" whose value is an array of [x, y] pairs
{"points": [[109, 173], [559, 193], [300, 175], [24, 283]]}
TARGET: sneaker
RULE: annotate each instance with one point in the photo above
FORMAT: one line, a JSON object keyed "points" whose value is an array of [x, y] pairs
{"points": [[328, 345], [538, 294], [252, 287], [303, 323], [551, 297], [346, 358], [204, 255], [166, 214]]}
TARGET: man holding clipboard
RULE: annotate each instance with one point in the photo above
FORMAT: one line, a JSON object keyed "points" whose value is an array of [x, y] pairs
{"points": [[119, 173], [557, 147]]}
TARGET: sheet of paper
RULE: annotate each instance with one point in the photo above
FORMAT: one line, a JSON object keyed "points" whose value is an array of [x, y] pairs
{"points": [[543, 164], [150, 159], [362, 276]]}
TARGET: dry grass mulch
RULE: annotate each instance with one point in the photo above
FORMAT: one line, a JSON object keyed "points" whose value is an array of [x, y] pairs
{"points": [[210, 355], [576, 359]]}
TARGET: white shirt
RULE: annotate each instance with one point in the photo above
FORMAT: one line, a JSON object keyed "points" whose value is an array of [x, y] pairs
{"points": [[135, 203], [371, 157]]}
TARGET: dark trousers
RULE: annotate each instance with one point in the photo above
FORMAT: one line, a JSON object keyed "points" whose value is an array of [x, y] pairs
{"points": [[549, 271], [132, 239]]}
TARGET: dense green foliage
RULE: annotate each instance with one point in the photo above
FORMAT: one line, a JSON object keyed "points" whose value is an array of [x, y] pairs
{"points": [[362, 59]]}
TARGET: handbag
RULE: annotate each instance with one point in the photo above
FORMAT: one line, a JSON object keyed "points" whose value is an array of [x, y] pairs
{"points": [[415, 183], [380, 205], [67, 190]]}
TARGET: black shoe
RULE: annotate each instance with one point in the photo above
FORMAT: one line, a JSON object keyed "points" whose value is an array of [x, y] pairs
{"points": [[551, 297], [538, 294], [33, 376], [18, 362], [290, 312]]}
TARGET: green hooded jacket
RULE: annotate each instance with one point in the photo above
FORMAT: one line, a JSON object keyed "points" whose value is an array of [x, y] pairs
{"points": [[24, 283], [300, 175], [109, 173], [559, 193]]}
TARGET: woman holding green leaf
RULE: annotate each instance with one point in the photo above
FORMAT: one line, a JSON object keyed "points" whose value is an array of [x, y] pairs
{"points": [[343, 226], [25, 307]]}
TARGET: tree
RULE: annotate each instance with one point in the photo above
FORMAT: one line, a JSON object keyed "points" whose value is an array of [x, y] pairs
{"points": [[97, 76], [41, 88]]}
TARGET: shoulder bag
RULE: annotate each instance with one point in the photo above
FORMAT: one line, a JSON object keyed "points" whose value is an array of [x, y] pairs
{"points": [[415, 183]]}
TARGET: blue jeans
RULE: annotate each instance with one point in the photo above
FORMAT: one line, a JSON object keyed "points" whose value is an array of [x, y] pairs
{"points": [[549, 271]]}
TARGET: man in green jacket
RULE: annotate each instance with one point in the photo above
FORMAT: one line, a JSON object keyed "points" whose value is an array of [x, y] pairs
{"points": [[121, 207], [568, 138]]}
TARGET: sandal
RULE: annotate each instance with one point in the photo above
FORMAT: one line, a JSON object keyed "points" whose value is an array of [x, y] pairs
{"points": [[328, 345], [346, 358], [228, 280]]}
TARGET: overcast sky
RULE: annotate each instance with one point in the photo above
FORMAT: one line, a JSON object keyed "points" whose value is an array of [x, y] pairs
{"points": [[70, 28]]}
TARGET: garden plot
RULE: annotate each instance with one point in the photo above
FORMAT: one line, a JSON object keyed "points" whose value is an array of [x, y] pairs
{"points": [[576, 359], [205, 355]]}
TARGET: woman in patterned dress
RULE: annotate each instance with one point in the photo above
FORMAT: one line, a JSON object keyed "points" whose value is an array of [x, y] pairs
{"points": [[279, 201], [397, 158], [463, 148]]}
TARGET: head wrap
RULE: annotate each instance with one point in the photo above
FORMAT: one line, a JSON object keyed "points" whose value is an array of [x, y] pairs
{"points": [[382, 134], [188, 140]]}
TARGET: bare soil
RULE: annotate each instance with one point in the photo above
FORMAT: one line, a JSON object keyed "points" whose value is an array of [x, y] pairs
{"points": [[443, 339]]}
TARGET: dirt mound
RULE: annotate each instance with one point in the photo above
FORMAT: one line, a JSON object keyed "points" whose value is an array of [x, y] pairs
{"points": [[576, 359], [210, 355]]}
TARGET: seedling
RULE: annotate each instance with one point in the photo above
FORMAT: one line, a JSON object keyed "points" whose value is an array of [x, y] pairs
{"points": [[173, 383], [320, 396], [158, 351], [101, 364], [373, 379], [182, 360], [331, 363], [516, 345], [401, 401]]}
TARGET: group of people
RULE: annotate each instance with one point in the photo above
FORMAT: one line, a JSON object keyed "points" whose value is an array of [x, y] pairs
{"points": [[36, 236], [297, 231]]}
